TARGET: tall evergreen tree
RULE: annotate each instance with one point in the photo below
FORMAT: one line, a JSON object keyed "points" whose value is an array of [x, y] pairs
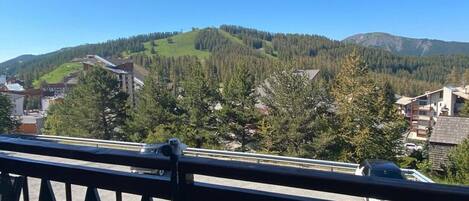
{"points": [[239, 114], [454, 77], [156, 106], [362, 130], [7, 122], [96, 108], [465, 77], [198, 102], [298, 114]]}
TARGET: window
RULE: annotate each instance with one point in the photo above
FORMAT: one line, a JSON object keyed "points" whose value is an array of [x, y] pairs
{"points": [[422, 113], [441, 94], [423, 102]]}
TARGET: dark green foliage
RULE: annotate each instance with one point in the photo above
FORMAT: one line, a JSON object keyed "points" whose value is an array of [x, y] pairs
{"points": [[298, 119], [262, 48], [238, 30], [156, 106], [96, 108], [239, 116], [212, 40], [370, 126], [41, 64], [198, 101], [457, 167], [7, 122], [32, 102]]}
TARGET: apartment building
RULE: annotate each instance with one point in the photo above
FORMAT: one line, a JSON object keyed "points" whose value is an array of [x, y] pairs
{"points": [[122, 69], [423, 111], [17, 100]]}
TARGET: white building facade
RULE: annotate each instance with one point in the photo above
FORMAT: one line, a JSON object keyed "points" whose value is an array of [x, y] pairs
{"points": [[423, 111], [18, 103]]}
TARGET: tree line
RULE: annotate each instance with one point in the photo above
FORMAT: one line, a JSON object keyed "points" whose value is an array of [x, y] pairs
{"points": [[268, 51], [42, 64], [350, 120]]}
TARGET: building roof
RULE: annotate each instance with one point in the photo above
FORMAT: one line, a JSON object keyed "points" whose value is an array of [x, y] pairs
{"points": [[14, 87], [404, 100], [106, 63], [429, 92], [311, 74], [461, 92], [55, 85], [450, 130]]}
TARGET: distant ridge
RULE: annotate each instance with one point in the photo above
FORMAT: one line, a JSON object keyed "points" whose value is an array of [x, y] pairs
{"points": [[408, 46], [16, 60]]}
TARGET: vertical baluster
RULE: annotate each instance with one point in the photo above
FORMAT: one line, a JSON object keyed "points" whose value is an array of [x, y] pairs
{"points": [[92, 194], [175, 191], [118, 196], [68, 192], [6, 187], [46, 193], [25, 189]]}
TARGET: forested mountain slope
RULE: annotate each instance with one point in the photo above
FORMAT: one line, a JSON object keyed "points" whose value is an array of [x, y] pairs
{"points": [[220, 50], [4, 66], [408, 46]]}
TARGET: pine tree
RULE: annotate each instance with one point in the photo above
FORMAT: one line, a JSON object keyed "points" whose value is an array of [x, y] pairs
{"points": [[391, 123], [454, 78], [363, 130], [96, 108], [239, 114], [155, 106], [465, 77], [198, 101], [457, 167], [297, 113], [7, 122]]}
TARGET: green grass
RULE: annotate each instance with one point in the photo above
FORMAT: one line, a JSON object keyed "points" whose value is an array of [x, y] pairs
{"points": [[231, 37], [183, 44], [58, 73], [239, 41]]}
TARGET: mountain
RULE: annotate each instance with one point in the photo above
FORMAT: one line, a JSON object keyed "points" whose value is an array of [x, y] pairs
{"points": [[172, 55], [408, 46], [4, 66]]}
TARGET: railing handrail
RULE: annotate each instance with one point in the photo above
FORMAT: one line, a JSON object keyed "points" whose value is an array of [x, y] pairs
{"points": [[197, 151], [285, 176], [274, 157]]}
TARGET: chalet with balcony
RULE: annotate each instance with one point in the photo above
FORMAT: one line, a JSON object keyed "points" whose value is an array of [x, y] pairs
{"points": [[423, 111]]}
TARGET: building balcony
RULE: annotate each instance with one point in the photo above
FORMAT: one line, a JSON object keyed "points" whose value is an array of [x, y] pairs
{"points": [[422, 127], [421, 118], [179, 185], [425, 107]]}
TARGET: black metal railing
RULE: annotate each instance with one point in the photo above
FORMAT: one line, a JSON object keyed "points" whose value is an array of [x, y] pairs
{"points": [[180, 186]]}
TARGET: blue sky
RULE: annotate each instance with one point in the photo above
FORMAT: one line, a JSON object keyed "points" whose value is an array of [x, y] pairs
{"points": [[40, 26]]}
